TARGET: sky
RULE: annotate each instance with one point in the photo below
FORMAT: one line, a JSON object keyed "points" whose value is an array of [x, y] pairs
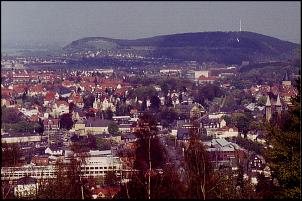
{"points": [[68, 21]]}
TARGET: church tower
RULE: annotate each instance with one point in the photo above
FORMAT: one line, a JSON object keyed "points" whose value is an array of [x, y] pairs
{"points": [[278, 106], [268, 109], [286, 82]]}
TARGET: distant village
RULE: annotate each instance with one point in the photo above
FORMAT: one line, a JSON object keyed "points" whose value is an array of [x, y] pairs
{"points": [[96, 113]]}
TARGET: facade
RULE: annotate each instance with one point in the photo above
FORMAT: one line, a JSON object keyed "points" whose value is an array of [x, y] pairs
{"points": [[96, 166], [20, 137], [194, 75], [223, 153], [269, 108], [26, 187]]}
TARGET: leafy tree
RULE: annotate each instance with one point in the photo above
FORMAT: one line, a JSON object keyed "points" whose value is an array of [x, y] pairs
{"points": [[22, 126], [88, 101], [261, 101], [264, 187], [111, 178], [242, 121], [66, 121], [39, 127], [167, 116], [72, 106], [11, 154], [150, 157], [108, 114], [210, 91], [92, 141], [168, 101], [226, 186], [10, 115], [113, 128], [155, 103], [198, 168], [144, 105], [103, 144], [229, 104], [67, 184]]}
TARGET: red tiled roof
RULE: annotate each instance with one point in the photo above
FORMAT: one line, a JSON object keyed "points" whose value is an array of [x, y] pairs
{"points": [[210, 78], [61, 102], [50, 96]]}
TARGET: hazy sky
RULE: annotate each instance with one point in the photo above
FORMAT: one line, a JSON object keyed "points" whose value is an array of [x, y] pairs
{"points": [[68, 21]]}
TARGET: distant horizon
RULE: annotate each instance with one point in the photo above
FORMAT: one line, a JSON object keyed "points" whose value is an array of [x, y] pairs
{"points": [[63, 22], [8, 46]]}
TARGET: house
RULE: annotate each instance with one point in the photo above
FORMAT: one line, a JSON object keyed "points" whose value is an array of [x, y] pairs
{"points": [[124, 128], [256, 162], [8, 102], [105, 192], [40, 160], [190, 111], [194, 75], [49, 97], [225, 132], [128, 137], [183, 134], [60, 107], [36, 90], [51, 124], [223, 153], [54, 150], [27, 187], [95, 126], [79, 127]]}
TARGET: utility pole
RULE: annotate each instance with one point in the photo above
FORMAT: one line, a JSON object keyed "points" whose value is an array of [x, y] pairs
{"points": [[149, 186], [80, 175]]}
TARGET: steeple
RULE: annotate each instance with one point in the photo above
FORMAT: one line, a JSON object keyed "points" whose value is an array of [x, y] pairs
{"points": [[268, 109], [285, 78], [268, 102], [278, 103], [278, 106], [286, 81]]}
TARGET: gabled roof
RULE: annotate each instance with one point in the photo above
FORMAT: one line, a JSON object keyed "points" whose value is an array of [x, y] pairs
{"points": [[26, 181], [97, 122]]}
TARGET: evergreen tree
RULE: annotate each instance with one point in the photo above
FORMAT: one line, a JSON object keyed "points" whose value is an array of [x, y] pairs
{"points": [[285, 153], [153, 177]]}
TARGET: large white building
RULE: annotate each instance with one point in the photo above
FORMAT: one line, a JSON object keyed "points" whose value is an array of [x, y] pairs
{"points": [[194, 75], [97, 164], [20, 137]]}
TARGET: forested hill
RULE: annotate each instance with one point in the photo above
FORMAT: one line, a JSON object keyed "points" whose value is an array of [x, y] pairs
{"points": [[224, 47]]}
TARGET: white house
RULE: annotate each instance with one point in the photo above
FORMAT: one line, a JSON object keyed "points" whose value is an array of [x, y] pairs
{"points": [[60, 107], [52, 150], [26, 187]]}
